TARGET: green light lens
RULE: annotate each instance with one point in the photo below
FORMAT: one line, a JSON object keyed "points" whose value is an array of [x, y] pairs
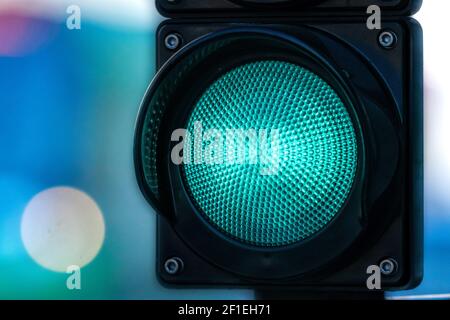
{"points": [[289, 193]]}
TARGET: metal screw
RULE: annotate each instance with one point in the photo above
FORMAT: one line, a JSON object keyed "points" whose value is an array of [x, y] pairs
{"points": [[388, 267], [172, 41], [173, 265], [387, 39]]}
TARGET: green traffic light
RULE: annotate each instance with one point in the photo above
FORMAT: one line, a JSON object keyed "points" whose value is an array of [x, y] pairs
{"points": [[283, 191]]}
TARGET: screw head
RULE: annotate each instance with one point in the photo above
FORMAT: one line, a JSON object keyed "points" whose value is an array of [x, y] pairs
{"points": [[172, 41], [388, 267], [173, 266], [387, 39]]}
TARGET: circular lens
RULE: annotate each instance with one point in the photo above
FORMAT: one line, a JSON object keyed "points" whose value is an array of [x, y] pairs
{"points": [[273, 153]]}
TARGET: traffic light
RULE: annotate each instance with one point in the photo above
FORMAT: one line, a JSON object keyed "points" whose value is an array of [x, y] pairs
{"points": [[280, 144]]}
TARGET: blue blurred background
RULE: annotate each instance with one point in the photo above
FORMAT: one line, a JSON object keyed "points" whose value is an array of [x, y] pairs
{"points": [[68, 103]]}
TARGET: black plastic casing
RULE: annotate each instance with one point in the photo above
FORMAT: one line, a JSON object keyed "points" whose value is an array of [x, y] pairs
{"points": [[393, 228], [230, 8], [402, 239]]}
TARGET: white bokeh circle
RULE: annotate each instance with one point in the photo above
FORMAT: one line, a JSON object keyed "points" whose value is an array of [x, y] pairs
{"points": [[62, 227]]}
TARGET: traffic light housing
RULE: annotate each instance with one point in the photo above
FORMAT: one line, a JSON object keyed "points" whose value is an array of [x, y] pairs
{"points": [[347, 195], [283, 8]]}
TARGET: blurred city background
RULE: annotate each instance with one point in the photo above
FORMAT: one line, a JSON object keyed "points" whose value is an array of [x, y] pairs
{"points": [[68, 103]]}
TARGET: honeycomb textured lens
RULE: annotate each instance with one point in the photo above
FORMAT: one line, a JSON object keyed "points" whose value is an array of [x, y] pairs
{"points": [[273, 154]]}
